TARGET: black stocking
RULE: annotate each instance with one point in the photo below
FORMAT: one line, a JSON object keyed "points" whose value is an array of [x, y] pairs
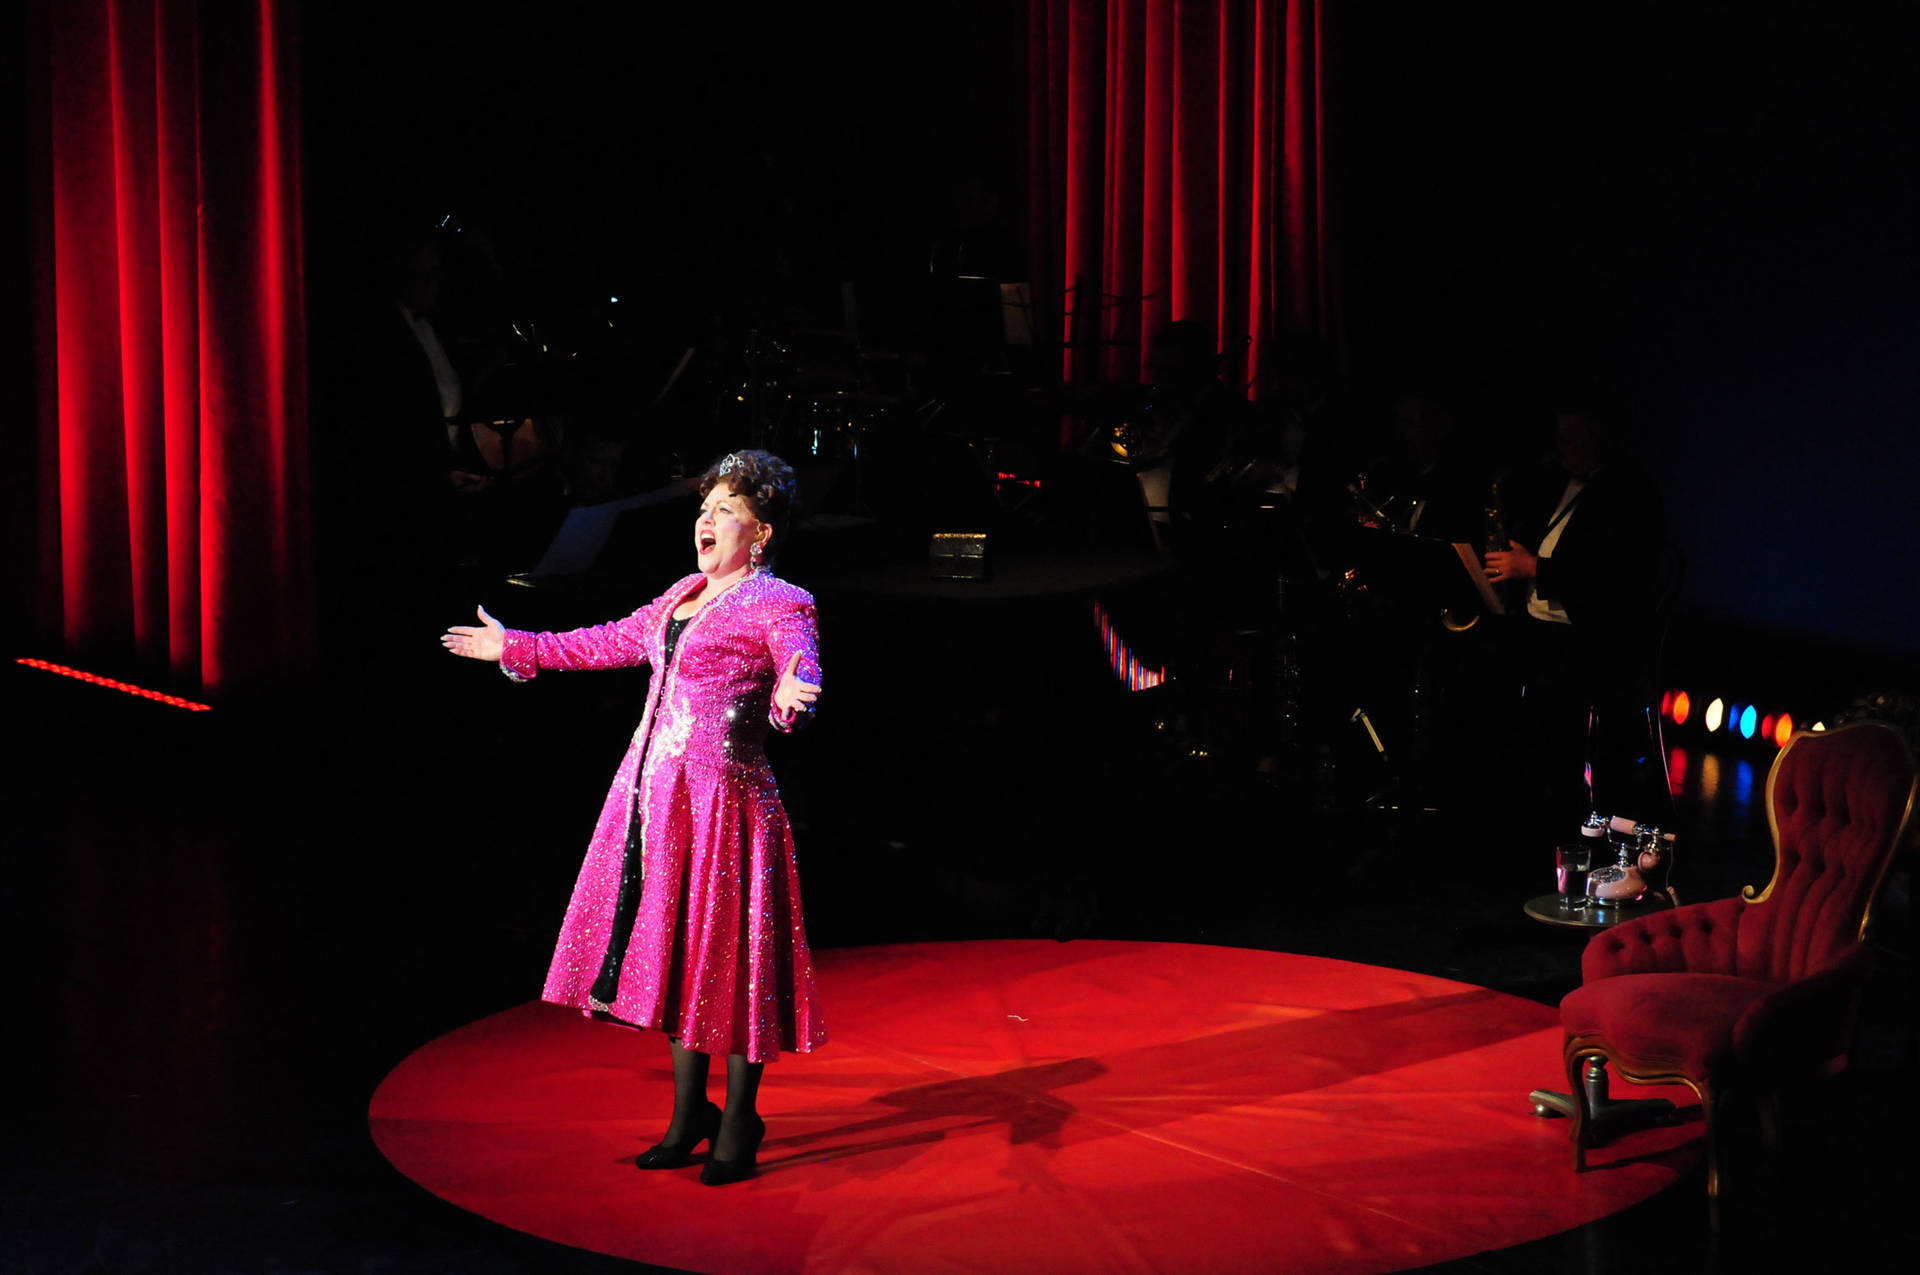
{"points": [[689, 1091], [738, 1124]]}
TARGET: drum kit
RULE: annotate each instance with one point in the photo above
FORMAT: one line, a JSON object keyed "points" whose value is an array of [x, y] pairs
{"points": [[826, 402]]}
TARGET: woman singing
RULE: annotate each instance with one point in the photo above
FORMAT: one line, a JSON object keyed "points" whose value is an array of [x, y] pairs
{"points": [[686, 915]]}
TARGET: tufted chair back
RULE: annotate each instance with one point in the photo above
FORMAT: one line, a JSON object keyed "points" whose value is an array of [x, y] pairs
{"points": [[1657, 1001], [1836, 801]]}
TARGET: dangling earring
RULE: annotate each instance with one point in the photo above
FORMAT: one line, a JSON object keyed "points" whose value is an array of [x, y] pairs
{"points": [[755, 552]]}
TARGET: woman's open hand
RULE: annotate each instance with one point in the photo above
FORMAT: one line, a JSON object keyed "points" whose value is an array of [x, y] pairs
{"points": [[483, 643], [792, 695]]}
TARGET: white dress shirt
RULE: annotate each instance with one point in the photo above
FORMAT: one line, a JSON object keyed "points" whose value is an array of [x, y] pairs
{"points": [[444, 377], [1538, 607]]}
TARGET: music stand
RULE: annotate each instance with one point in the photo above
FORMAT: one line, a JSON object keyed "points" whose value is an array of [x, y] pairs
{"points": [[1428, 572]]}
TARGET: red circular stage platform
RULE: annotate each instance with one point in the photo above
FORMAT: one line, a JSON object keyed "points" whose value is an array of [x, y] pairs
{"points": [[1044, 1106]]}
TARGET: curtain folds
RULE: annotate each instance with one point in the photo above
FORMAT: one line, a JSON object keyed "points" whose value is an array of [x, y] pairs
{"points": [[171, 341], [1177, 170]]}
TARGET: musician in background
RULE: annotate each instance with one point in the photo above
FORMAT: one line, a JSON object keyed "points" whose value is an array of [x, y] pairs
{"points": [[1300, 449], [1589, 545], [1423, 677], [384, 386], [1195, 411], [1431, 481], [410, 396]]}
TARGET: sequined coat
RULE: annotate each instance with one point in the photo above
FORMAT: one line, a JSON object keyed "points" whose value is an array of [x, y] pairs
{"points": [[718, 951]]}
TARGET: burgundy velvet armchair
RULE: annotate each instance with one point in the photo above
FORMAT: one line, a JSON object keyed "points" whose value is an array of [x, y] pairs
{"points": [[1737, 997]]}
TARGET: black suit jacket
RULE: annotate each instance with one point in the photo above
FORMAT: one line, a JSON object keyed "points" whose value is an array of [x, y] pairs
{"points": [[1606, 569]]}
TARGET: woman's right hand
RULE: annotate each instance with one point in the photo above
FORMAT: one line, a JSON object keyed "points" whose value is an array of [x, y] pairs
{"points": [[483, 643]]}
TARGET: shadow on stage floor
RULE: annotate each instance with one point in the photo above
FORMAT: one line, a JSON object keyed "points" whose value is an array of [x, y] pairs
{"points": [[231, 925]]}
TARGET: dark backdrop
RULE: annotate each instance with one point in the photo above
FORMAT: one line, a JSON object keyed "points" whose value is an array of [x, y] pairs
{"points": [[1712, 201], [684, 158], [1713, 204]]}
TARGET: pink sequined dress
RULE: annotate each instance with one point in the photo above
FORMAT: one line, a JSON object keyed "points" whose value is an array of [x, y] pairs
{"points": [[693, 829]]}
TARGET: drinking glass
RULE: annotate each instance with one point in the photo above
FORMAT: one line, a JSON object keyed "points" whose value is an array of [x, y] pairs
{"points": [[1572, 861]]}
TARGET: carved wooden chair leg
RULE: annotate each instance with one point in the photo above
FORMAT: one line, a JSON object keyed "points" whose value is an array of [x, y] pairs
{"points": [[1768, 1108], [1582, 1106], [1709, 1104]]}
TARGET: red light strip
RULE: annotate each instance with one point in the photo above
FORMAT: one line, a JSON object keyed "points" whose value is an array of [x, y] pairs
{"points": [[126, 687]]}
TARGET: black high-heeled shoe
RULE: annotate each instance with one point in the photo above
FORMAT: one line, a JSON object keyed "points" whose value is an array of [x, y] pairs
{"points": [[718, 1172], [673, 1155]]}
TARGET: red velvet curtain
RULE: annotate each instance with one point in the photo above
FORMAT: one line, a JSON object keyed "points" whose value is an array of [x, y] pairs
{"points": [[170, 336], [1177, 153]]}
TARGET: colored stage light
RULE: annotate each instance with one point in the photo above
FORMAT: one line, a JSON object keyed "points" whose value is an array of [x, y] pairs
{"points": [[1126, 665], [1818, 726], [1766, 726], [1681, 707], [1783, 729], [1748, 720], [1676, 770], [1666, 705], [1716, 711], [127, 688]]}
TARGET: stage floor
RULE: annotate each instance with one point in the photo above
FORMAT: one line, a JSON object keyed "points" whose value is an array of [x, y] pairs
{"points": [[217, 968], [1032, 1105]]}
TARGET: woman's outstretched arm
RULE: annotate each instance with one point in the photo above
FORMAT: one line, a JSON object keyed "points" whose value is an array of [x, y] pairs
{"points": [[621, 643]]}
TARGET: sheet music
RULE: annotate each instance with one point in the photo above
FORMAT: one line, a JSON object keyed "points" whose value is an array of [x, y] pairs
{"points": [[1489, 596]]}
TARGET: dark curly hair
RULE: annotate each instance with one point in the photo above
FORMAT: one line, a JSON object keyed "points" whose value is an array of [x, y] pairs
{"points": [[768, 486]]}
